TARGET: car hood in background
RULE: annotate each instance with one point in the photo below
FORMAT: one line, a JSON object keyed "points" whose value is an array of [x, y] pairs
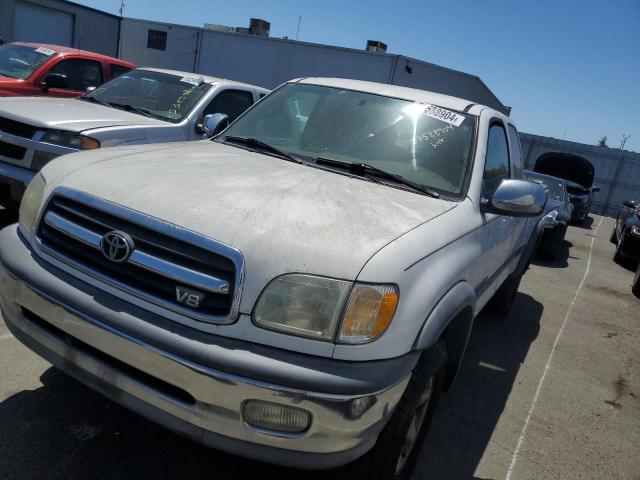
{"points": [[568, 166], [68, 114], [284, 217]]}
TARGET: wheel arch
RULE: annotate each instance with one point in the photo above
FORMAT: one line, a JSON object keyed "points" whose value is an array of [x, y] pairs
{"points": [[450, 320]]}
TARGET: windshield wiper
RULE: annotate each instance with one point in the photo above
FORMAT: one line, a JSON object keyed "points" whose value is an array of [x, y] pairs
{"points": [[7, 75], [362, 169], [95, 100], [131, 108], [256, 144]]}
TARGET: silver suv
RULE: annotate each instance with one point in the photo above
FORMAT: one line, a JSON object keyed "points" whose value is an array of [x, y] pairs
{"points": [[298, 290], [141, 106]]}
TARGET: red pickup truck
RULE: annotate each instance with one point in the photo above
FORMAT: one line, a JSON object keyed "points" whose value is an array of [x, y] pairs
{"points": [[38, 69]]}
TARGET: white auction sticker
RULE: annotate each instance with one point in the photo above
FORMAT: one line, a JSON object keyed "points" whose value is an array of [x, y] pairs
{"points": [[47, 51], [443, 114], [192, 80]]}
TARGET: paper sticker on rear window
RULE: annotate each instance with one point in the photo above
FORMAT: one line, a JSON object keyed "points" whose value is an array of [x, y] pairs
{"points": [[45, 51], [444, 115], [192, 80]]}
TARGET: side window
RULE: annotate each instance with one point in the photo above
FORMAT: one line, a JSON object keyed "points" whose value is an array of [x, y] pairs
{"points": [[81, 73], [231, 102], [117, 70], [496, 165], [516, 153]]}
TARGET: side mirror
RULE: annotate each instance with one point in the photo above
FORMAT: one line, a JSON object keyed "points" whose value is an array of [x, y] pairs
{"points": [[516, 198], [54, 80], [212, 124], [629, 203], [595, 189]]}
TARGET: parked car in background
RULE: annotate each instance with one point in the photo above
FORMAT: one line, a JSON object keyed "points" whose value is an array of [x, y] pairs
{"points": [[28, 69], [298, 291], [140, 106], [579, 174], [557, 213], [626, 232]]}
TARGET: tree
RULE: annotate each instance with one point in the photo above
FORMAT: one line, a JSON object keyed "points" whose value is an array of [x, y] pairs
{"points": [[603, 142]]}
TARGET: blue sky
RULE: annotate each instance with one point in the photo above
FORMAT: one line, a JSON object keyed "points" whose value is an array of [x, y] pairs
{"points": [[563, 64]]}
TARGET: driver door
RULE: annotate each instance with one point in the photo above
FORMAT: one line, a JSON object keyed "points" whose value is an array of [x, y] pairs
{"points": [[81, 74]]}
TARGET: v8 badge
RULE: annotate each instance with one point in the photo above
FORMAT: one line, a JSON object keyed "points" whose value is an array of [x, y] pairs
{"points": [[188, 297]]}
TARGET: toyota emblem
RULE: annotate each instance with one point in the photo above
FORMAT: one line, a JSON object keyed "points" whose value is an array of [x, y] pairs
{"points": [[116, 246]]}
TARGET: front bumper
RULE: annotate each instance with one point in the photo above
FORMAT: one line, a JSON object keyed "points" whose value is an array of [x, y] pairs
{"points": [[72, 325]]}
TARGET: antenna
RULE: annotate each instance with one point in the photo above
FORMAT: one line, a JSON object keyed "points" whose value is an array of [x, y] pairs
{"points": [[122, 8], [624, 140], [299, 23]]}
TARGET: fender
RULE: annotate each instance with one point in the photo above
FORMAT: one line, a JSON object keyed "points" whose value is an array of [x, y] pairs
{"points": [[459, 297], [451, 320]]}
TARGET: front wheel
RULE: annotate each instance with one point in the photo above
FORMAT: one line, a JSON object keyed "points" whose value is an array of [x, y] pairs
{"points": [[396, 451], [618, 257]]}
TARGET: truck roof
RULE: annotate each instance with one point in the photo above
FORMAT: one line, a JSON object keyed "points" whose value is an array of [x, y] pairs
{"points": [[207, 78], [59, 49], [405, 93]]}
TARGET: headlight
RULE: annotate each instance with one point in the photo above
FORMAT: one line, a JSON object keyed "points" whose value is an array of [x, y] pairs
{"points": [[550, 218], [31, 201], [70, 140], [314, 307]]}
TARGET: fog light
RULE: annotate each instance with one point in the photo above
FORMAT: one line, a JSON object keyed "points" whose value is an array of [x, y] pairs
{"points": [[272, 416], [359, 406]]}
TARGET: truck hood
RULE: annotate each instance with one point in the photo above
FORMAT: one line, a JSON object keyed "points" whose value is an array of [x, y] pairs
{"points": [[284, 217], [568, 166], [68, 114]]}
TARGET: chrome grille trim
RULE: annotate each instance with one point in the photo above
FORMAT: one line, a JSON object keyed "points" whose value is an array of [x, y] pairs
{"points": [[142, 259], [175, 272]]}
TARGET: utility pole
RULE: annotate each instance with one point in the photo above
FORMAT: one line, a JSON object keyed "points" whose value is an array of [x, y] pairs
{"points": [[624, 140], [299, 22]]}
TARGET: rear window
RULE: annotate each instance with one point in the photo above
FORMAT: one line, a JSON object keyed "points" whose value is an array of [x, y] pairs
{"points": [[117, 70]]}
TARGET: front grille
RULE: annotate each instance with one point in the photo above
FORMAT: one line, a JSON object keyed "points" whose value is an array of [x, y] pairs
{"points": [[150, 285], [17, 128], [12, 151]]}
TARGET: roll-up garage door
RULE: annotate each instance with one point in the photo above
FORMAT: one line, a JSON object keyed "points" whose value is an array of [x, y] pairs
{"points": [[34, 23]]}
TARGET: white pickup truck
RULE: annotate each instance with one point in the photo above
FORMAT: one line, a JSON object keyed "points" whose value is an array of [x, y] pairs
{"points": [[298, 290], [141, 106]]}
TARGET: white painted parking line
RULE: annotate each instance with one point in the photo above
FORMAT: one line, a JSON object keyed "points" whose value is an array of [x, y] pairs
{"points": [[547, 366], [6, 336]]}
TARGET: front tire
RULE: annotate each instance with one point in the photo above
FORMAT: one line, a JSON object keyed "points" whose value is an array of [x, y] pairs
{"points": [[618, 256], [396, 451]]}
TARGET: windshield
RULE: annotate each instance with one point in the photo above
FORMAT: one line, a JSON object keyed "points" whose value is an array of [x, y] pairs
{"points": [[160, 95], [555, 188], [19, 61], [397, 136]]}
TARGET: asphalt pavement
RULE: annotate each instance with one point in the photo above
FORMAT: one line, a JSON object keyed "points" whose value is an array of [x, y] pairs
{"points": [[551, 392]]}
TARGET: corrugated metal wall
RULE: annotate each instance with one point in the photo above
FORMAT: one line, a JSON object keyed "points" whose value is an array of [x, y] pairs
{"points": [[181, 47], [617, 171]]}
